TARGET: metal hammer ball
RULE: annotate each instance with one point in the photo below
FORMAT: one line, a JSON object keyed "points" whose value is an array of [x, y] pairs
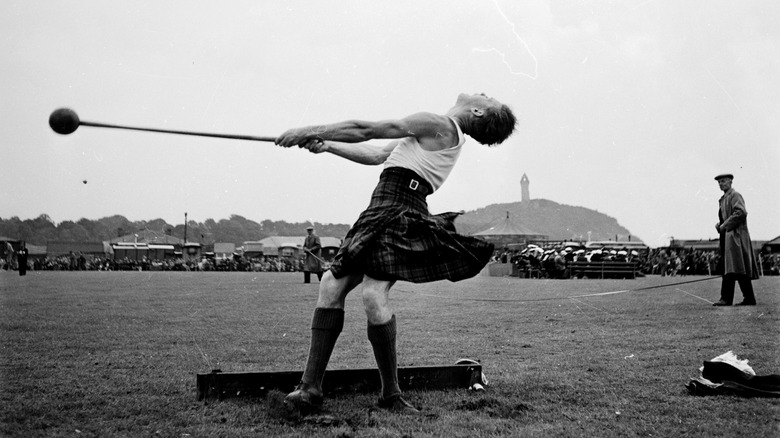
{"points": [[64, 121]]}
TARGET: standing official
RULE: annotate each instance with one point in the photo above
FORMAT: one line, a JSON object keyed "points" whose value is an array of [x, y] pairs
{"points": [[736, 249], [21, 257], [313, 248]]}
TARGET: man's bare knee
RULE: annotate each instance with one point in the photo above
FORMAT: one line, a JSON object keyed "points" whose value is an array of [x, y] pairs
{"points": [[333, 291], [376, 294]]}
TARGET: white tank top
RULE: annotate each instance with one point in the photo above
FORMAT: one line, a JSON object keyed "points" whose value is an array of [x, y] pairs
{"points": [[434, 166]]}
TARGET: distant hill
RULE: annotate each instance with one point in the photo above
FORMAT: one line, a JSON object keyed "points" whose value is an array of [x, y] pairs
{"points": [[558, 221], [236, 229]]}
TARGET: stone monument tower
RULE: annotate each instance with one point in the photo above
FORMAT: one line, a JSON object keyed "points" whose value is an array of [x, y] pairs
{"points": [[526, 196]]}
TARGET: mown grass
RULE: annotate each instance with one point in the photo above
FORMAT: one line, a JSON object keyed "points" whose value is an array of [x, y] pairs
{"points": [[116, 354]]}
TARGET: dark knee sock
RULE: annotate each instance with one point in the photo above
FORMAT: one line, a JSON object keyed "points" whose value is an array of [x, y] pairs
{"points": [[382, 338], [326, 325]]}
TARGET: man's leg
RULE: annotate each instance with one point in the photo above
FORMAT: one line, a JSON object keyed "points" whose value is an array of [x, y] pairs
{"points": [[726, 291], [381, 333], [306, 277], [326, 325], [746, 286]]}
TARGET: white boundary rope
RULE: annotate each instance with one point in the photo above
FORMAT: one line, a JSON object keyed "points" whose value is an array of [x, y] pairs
{"points": [[499, 300]]}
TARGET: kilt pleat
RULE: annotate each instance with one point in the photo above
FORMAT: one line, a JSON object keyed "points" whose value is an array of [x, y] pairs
{"points": [[396, 238]]}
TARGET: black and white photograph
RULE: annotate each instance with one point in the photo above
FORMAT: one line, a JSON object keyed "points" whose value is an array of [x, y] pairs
{"points": [[474, 218]]}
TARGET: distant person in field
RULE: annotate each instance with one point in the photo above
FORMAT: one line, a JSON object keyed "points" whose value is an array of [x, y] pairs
{"points": [[9, 255], [736, 249], [395, 238], [21, 257], [313, 249]]}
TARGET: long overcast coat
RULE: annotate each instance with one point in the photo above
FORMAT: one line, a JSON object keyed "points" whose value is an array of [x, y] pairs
{"points": [[736, 247], [312, 243]]}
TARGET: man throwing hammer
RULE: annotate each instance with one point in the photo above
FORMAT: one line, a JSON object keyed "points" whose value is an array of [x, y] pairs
{"points": [[395, 238]]}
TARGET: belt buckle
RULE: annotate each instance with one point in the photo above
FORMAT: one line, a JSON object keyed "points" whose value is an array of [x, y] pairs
{"points": [[413, 184]]}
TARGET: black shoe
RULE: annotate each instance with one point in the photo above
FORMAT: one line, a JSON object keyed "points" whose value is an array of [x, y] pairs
{"points": [[305, 399], [747, 303], [396, 403], [721, 303]]}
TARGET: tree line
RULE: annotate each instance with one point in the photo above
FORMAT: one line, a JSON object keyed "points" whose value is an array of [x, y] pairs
{"points": [[236, 229]]}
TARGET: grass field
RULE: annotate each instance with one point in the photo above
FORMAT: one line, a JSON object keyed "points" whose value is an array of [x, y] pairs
{"points": [[116, 354]]}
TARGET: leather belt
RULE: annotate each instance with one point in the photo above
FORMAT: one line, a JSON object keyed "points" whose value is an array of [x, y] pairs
{"points": [[419, 186], [407, 179]]}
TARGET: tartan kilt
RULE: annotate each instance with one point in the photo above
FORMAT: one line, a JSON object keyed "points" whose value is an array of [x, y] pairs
{"points": [[396, 238]]}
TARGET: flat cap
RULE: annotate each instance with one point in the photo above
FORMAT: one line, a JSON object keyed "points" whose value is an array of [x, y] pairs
{"points": [[724, 175]]}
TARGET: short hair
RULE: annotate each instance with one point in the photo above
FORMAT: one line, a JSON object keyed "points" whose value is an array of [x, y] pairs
{"points": [[495, 126]]}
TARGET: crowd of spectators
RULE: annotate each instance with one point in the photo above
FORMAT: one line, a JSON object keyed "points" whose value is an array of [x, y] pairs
{"points": [[534, 261], [81, 262], [673, 262], [551, 262], [554, 262], [664, 261], [770, 263]]}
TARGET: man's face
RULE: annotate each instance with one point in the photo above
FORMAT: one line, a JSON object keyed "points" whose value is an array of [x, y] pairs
{"points": [[724, 183]]}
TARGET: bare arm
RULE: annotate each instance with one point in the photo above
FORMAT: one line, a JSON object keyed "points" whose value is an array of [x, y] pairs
{"points": [[351, 131], [420, 125], [362, 153]]}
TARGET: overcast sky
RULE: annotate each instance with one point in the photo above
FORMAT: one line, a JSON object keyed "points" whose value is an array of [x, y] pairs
{"points": [[626, 107]]}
